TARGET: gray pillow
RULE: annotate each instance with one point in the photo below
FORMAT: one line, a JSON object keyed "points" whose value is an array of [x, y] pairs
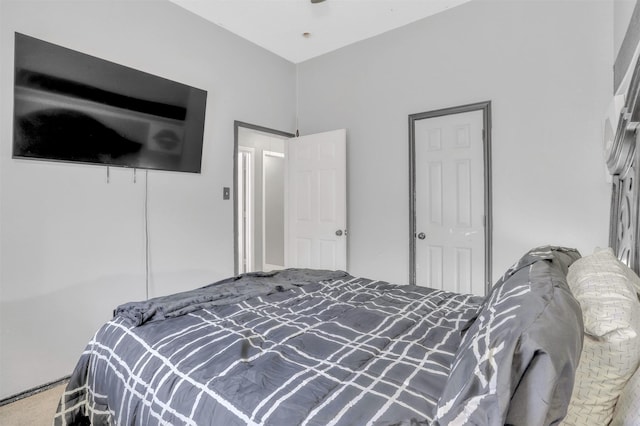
{"points": [[516, 362]]}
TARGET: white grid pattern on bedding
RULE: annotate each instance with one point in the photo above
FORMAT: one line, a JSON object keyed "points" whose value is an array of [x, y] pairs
{"points": [[253, 362]]}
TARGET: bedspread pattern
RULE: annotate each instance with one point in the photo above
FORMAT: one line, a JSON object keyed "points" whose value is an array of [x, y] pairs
{"points": [[335, 349], [346, 351]]}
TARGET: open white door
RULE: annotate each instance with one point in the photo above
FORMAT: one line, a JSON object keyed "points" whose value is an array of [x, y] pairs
{"points": [[316, 201]]}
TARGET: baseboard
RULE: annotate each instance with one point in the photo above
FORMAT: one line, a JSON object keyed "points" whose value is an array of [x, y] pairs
{"points": [[33, 391]]}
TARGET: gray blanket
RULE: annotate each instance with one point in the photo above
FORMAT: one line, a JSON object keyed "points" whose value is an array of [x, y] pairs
{"points": [[231, 290], [321, 349], [517, 361]]}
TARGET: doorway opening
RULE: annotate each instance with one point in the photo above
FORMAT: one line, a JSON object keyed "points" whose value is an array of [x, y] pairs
{"points": [[273, 232], [259, 154]]}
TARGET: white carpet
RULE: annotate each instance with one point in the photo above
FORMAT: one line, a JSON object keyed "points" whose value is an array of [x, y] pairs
{"points": [[36, 410]]}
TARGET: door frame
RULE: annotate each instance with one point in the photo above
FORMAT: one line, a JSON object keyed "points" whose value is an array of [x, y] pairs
{"points": [[236, 129], [248, 206], [485, 107]]}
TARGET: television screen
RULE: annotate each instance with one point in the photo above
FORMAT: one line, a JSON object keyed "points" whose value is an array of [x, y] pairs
{"points": [[69, 106]]}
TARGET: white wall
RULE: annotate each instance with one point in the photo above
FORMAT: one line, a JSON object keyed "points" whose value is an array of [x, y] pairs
{"points": [[72, 246], [546, 67]]}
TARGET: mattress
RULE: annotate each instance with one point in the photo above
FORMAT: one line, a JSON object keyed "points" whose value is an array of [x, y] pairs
{"points": [[324, 347]]}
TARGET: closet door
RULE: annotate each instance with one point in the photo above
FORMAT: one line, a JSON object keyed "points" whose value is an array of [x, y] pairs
{"points": [[449, 238]]}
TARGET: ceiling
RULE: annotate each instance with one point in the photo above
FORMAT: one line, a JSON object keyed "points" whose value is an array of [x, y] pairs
{"points": [[280, 25]]}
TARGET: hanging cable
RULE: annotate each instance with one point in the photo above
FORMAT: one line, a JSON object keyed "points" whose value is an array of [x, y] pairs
{"points": [[146, 232], [297, 106]]}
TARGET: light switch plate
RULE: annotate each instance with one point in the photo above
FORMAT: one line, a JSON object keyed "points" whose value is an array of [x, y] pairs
{"points": [[226, 193]]}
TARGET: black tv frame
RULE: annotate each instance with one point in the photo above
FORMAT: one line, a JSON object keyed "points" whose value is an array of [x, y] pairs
{"points": [[73, 107]]}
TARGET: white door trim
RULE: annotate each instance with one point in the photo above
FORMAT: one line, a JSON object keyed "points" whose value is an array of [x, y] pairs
{"points": [[244, 202]]}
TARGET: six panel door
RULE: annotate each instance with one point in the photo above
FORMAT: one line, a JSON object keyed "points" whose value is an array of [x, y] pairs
{"points": [[449, 188], [316, 201]]}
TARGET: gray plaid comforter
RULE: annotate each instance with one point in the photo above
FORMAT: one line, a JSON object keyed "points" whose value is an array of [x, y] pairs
{"points": [[333, 349]]}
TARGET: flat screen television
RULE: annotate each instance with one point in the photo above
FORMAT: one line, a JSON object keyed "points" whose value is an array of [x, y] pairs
{"points": [[70, 106]]}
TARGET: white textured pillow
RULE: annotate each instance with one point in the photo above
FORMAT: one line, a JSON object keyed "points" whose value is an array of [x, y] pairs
{"points": [[633, 279], [627, 411], [602, 286], [611, 349]]}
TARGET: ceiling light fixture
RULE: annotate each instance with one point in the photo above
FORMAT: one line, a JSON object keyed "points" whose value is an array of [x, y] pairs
{"points": [[316, 1]]}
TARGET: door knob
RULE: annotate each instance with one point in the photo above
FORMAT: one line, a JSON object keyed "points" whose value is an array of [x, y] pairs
{"points": [[421, 236], [339, 232]]}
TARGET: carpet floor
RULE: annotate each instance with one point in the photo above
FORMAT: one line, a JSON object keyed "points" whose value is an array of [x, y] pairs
{"points": [[36, 410]]}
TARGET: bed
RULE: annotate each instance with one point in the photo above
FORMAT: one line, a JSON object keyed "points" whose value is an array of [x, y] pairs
{"points": [[556, 341], [323, 347]]}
